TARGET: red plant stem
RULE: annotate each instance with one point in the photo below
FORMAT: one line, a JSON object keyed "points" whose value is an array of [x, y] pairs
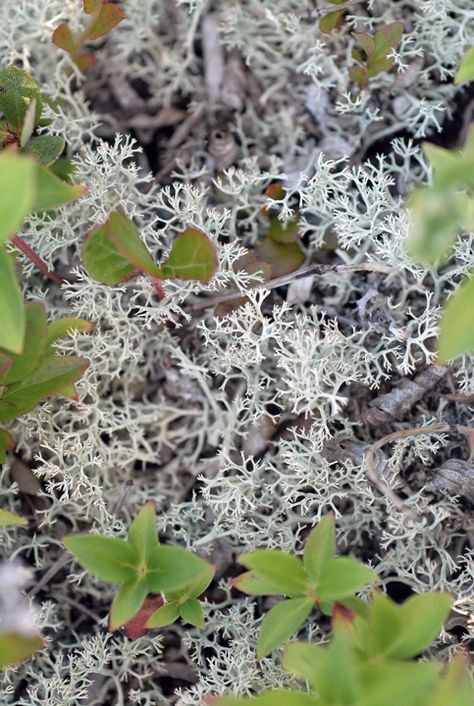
{"points": [[36, 259]]}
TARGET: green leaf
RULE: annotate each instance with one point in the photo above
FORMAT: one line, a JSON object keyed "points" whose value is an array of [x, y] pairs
{"points": [[10, 519], [17, 90], [320, 547], [386, 39], [17, 186], [452, 169], [90, 6], [455, 688], [383, 626], [103, 261], [283, 570], [368, 42], [127, 601], [337, 678], [47, 148], [359, 74], [435, 218], [52, 192], [342, 577], [51, 375], [194, 588], [16, 648], [63, 38], [60, 328], [7, 443], [330, 21], [12, 329], [124, 234], [192, 256], [281, 232], [397, 684], [34, 346], [281, 622], [457, 323], [165, 615], [174, 568], [108, 17], [108, 558], [142, 534], [283, 257], [304, 659], [465, 72], [255, 585], [191, 612], [422, 618]]}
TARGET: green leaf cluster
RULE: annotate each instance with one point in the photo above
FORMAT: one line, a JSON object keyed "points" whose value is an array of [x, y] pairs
{"points": [[281, 247], [37, 372], [21, 104], [376, 49], [321, 578], [369, 661], [142, 565], [114, 253], [104, 16], [438, 213]]}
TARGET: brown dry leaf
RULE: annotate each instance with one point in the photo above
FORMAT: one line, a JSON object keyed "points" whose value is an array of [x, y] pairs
{"points": [[135, 627]]}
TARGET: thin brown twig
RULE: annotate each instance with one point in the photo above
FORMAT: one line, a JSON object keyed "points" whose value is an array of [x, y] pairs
{"points": [[36, 259], [309, 271], [371, 458]]}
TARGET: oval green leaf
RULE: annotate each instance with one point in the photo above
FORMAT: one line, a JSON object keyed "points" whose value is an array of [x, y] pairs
{"points": [[127, 601], [103, 261], [193, 256], [108, 558], [281, 622], [12, 328], [279, 568], [17, 90], [17, 186]]}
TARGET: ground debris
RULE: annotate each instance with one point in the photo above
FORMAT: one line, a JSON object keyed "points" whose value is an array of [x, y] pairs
{"points": [[395, 405], [457, 476]]}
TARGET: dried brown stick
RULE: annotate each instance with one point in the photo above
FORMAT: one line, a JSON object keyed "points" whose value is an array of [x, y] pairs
{"points": [[371, 458], [310, 270]]}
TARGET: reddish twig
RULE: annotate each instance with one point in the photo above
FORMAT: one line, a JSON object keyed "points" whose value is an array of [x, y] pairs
{"points": [[37, 260]]}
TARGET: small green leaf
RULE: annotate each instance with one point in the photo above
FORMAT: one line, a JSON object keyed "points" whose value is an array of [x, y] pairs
{"points": [[173, 568], [108, 558], [383, 627], [397, 684], [283, 570], [15, 647], [255, 585], [52, 192], [63, 38], [127, 601], [7, 443], [142, 534], [283, 257], [320, 547], [192, 256], [108, 17], [90, 6], [194, 588], [191, 612], [386, 39], [359, 74], [123, 233], [17, 90], [10, 519], [34, 347], [165, 615], [435, 219], [60, 328], [303, 659], [465, 72], [52, 375], [368, 42], [12, 329], [342, 577], [330, 21], [281, 232], [281, 622], [452, 169], [47, 148], [103, 261], [457, 323], [422, 618], [17, 186]]}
